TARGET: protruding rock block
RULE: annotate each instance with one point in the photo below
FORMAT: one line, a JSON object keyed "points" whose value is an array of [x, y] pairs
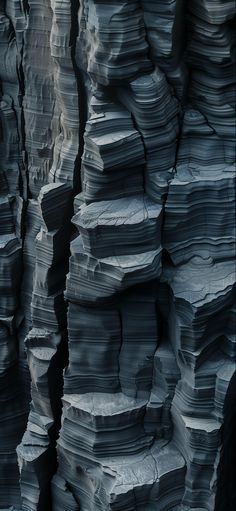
{"points": [[150, 478], [97, 425], [111, 42], [94, 281], [202, 293], [121, 227], [45, 359], [113, 157], [36, 453], [37, 464], [198, 440]]}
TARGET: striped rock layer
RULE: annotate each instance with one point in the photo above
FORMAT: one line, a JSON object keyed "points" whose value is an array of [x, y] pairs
{"points": [[117, 255]]}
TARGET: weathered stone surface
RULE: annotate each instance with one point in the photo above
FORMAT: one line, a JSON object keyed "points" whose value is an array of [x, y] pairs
{"points": [[117, 255]]}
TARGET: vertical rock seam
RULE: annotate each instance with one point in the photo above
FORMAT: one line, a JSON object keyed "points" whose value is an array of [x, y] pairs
{"points": [[117, 255]]}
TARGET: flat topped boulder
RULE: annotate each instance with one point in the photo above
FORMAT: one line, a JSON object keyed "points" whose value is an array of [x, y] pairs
{"points": [[95, 425], [148, 468], [201, 424], [127, 211], [113, 150], [129, 225], [102, 404], [202, 282], [92, 280], [153, 478]]}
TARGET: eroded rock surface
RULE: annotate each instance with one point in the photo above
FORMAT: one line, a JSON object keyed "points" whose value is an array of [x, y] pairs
{"points": [[117, 255]]}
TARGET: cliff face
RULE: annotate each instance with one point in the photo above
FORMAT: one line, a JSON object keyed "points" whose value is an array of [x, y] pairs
{"points": [[117, 245]]}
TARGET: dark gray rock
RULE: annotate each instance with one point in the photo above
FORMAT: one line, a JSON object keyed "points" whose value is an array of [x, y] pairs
{"points": [[120, 353]]}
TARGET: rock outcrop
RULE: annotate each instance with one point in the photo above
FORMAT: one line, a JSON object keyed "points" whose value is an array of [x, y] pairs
{"points": [[117, 255]]}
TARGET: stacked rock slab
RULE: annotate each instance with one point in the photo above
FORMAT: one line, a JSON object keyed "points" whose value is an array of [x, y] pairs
{"points": [[110, 451], [45, 346], [128, 105], [112, 313], [158, 123], [14, 408], [200, 329], [52, 147], [199, 235], [198, 351]]}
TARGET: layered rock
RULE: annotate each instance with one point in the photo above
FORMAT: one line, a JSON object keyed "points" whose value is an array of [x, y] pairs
{"points": [[107, 171], [118, 320], [14, 407], [199, 214], [45, 347], [52, 127]]}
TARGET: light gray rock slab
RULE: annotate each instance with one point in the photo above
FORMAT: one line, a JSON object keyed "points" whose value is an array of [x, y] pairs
{"points": [[109, 276], [121, 482], [120, 227]]}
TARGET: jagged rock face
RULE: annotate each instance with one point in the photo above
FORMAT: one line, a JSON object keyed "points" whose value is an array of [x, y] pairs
{"points": [[117, 246]]}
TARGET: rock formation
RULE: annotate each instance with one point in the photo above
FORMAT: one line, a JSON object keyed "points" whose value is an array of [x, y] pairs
{"points": [[117, 255]]}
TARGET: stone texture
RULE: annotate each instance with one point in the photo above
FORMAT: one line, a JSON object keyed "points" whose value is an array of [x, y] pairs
{"points": [[117, 255]]}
